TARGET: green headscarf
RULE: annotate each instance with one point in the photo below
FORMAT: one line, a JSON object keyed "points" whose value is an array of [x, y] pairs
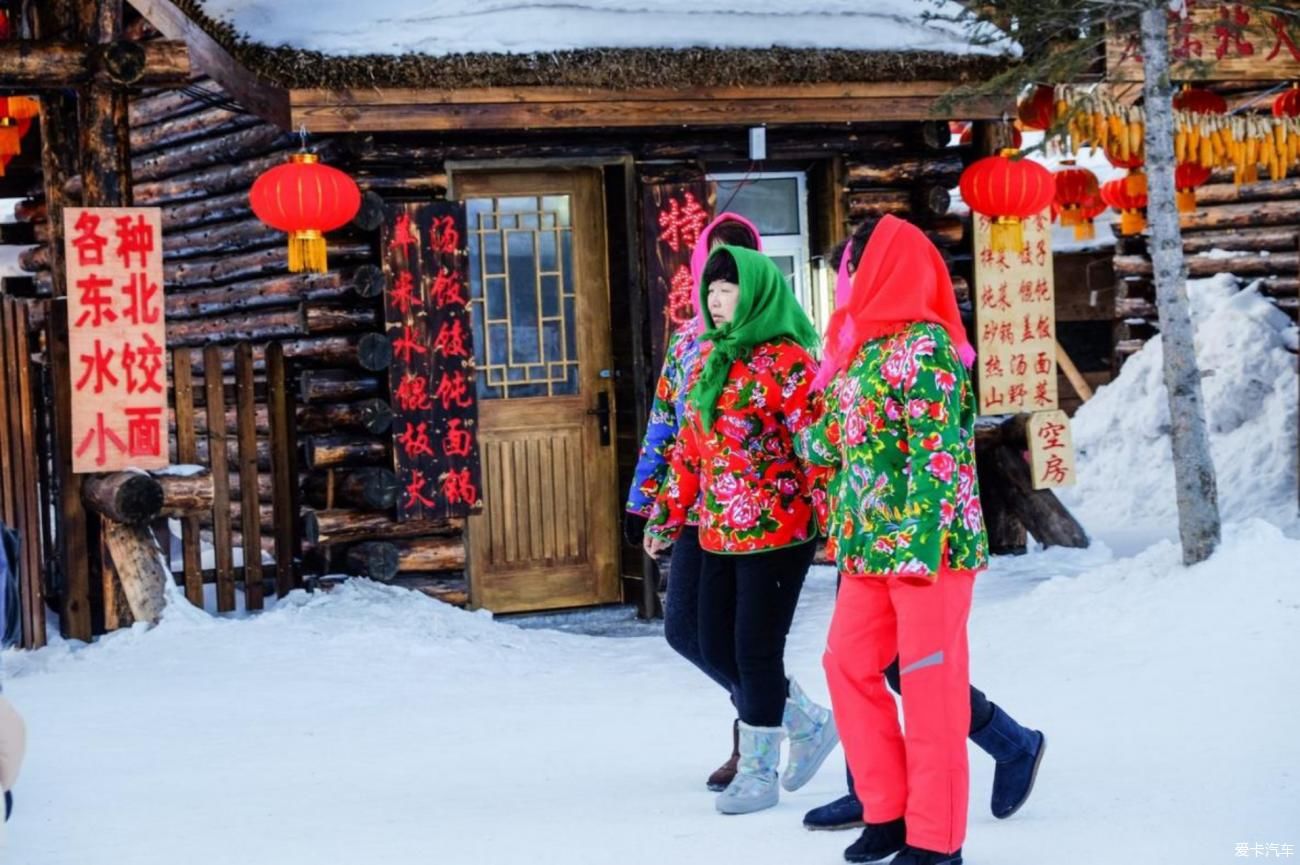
{"points": [[766, 310]]}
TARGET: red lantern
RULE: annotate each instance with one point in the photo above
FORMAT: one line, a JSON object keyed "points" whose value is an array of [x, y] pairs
{"points": [[16, 115], [305, 199], [1287, 104], [1037, 107], [1115, 193], [1188, 176], [1075, 187], [1008, 191], [1197, 100]]}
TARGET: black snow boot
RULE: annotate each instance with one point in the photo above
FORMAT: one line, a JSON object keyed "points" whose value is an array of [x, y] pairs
{"points": [[877, 841], [910, 855], [1018, 752]]}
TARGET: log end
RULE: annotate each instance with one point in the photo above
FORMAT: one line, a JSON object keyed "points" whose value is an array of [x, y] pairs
{"points": [[374, 352], [368, 281], [377, 560]]}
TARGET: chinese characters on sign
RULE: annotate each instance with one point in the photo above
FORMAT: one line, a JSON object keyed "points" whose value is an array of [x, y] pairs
{"points": [[1224, 40], [1247, 850], [1015, 318], [116, 337], [1051, 450], [674, 216], [426, 313]]}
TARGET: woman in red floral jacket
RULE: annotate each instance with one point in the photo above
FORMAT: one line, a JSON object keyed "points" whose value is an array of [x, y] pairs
{"points": [[735, 461]]}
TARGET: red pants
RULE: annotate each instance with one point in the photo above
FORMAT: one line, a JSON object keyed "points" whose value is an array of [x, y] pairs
{"points": [[922, 776]]}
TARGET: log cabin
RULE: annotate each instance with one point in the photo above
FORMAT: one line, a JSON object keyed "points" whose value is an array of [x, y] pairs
{"points": [[574, 158]]}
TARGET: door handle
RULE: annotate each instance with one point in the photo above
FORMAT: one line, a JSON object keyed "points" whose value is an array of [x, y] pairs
{"points": [[602, 412]]}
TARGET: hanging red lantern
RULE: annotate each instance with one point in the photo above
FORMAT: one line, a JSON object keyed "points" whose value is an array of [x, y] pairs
{"points": [[4, 24], [1198, 100], [1132, 219], [1074, 187], [1188, 176], [1036, 108], [1007, 190], [1287, 103], [16, 115], [305, 199]]}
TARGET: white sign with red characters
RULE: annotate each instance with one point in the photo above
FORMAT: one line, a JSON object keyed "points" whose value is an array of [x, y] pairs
{"points": [[1051, 449], [116, 337], [1015, 318]]}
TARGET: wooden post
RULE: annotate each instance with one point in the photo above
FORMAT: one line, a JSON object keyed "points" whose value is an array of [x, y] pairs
{"points": [[250, 528], [139, 564], [105, 125], [187, 454], [288, 547], [216, 407]]}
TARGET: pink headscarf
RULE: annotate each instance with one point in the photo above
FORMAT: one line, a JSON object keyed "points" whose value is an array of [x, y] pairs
{"points": [[902, 278], [700, 254]]}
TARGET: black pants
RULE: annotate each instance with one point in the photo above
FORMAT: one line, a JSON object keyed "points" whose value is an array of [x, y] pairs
{"points": [[746, 605], [682, 606]]}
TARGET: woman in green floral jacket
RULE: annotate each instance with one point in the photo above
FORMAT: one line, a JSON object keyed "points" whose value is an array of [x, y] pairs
{"points": [[897, 430]]}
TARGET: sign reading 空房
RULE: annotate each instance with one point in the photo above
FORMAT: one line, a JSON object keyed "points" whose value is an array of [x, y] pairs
{"points": [[116, 337], [1015, 318], [1051, 450]]}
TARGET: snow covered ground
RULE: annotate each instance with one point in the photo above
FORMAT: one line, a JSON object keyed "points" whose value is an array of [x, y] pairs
{"points": [[373, 725]]}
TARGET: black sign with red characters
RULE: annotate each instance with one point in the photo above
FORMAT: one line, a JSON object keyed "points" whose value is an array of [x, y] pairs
{"points": [[426, 315]]}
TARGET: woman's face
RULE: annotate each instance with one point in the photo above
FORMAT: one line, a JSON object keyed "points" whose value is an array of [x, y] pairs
{"points": [[723, 297]]}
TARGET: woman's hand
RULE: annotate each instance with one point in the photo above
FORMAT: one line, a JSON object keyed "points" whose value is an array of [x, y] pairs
{"points": [[654, 546]]}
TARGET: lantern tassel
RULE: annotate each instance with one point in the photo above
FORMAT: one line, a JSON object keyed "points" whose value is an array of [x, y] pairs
{"points": [[1008, 235], [1132, 222], [307, 252], [1135, 183], [1084, 230], [1071, 215], [1186, 200], [11, 139]]}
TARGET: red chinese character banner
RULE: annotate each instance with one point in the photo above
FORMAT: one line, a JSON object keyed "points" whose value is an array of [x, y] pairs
{"points": [[1015, 318], [674, 215], [1051, 450], [426, 315], [1224, 41], [117, 337]]}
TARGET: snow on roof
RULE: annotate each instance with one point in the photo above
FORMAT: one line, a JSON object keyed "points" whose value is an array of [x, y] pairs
{"points": [[441, 27]]}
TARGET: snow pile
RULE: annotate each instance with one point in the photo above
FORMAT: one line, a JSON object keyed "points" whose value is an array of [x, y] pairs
{"points": [[1245, 347], [440, 27], [406, 732]]}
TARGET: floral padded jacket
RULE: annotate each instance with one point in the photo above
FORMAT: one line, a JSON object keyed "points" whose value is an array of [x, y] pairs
{"points": [[898, 430], [754, 493], [665, 420]]}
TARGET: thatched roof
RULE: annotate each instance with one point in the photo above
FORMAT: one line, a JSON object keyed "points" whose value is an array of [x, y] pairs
{"points": [[620, 67]]}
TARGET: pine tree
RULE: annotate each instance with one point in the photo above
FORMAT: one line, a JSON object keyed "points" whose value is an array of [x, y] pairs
{"points": [[1061, 42]]}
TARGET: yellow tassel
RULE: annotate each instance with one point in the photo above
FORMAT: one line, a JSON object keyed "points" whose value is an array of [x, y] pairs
{"points": [[1084, 230], [1136, 182], [1132, 222], [1186, 200], [1008, 235], [307, 252]]}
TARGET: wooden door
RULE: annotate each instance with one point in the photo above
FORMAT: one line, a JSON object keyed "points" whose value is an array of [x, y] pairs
{"points": [[539, 296]]}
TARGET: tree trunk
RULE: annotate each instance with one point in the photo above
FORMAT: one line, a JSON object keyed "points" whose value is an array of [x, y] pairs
{"points": [[1198, 508], [186, 495]]}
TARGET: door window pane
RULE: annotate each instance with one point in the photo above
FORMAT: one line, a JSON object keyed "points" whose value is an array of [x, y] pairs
{"points": [[522, 296]]}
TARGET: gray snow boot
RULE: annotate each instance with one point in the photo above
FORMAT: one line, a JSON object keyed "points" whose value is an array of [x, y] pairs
{"points": [[755, 786], [813, 736]]}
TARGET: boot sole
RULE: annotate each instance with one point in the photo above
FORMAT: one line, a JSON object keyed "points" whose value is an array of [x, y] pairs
{"points": [[827, 747], [717, 788], [837, 827], [1033, 779], [875, 857]]}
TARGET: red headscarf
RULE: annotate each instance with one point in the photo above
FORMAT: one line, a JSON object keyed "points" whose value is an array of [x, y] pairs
{"points": [[901, 279]]}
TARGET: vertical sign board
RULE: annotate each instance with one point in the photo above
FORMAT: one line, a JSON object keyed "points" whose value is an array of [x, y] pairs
{"points": [[116, 337], [1015, 317], [431, 378], [1051, 450], [674, 214]]}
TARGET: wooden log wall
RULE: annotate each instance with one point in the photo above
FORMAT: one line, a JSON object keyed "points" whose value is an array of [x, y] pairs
{"points": [[1255, 229]]}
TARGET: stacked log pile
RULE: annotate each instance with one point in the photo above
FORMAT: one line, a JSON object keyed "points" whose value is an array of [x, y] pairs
{"points": [[1251, 231]]}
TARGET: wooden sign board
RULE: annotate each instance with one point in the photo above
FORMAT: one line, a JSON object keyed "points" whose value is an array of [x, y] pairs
{"points": [[1051, 450], [674, 214], [1015, 318], [1217, 41], [426, 317], [117, 337]]}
